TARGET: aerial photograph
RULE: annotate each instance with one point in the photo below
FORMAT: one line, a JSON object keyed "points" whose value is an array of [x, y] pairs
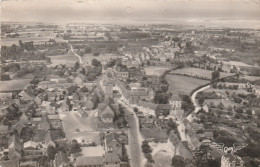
{"points": [[130, 83]]}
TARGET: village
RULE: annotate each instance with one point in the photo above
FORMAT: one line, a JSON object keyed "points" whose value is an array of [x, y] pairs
{"points": [[128, 96]]}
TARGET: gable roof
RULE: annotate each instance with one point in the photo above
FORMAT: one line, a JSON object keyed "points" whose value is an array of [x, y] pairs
{"points": [[61, 158], [45, 123], [111, 157], [95, 160]]}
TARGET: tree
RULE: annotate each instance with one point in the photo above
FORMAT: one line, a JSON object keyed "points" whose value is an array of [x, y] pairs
{"points": [[51, 151], [215, 75], [96, 54], [229, 108], [75, 147], [96, 63], [76, 65], [135, 109], [239, 110], [221, 106], [178, 161], [88, 49], [201, 101], [5, 77]]}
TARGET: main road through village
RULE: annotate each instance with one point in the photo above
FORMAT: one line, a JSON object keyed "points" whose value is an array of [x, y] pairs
{"points": [[135, 154], [134, 137]]}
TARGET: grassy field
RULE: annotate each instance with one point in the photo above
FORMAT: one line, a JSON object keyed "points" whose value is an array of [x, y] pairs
{"points": [[63, 59], [13, 85], [151, 70], [183, 84], [198, 72], [250, 78]]}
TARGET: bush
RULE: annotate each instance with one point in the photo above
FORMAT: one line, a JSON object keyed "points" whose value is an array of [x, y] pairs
{"points": [[5, 77]]}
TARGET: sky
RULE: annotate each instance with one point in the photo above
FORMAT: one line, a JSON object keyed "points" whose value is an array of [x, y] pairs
{"points": [[189, 11]]}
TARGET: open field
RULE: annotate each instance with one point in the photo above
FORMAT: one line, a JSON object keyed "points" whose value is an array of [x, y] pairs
{"points": [[198, 72], [236, 63], [250, 78], [183, 84], [63, 59], [87, 58], [223, 91], [153, 70], [225, 102], [79, 128], [13, 85]]}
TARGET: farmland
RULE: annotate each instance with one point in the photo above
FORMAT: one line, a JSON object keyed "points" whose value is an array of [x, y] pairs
{"points": [[13, 85], [201, 73], [183, 84], [151, 70], [63, 59]]}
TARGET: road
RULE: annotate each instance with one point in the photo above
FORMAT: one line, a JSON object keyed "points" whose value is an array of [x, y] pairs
{"points": [[193, 98], [134, 137], [72, 50]]}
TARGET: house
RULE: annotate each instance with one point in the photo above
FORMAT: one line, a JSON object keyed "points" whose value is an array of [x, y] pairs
{"points": [[66, 105], [175, 101], [30, 145], [109, 91], [108, 79], [80, 79], [4, 129], [111, 160], [177, 113], [107, 110], [231, 160], [61, 160], [178, 147], [45, 84], [25, 95], [81, 113], [90, 161], [48, 140], [112, 144], [44, 124], [15, 148], [193, 140], [18, 127], [162, 108]]}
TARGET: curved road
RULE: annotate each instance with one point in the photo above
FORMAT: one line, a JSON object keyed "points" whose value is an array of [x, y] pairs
{"points": [[72, 50], [193, 98]]}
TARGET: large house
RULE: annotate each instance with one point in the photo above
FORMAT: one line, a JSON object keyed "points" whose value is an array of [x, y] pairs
{"points": [[109, 160], [230, 160], [108, 79], [107, 110], [15, 148], [111, 143]]}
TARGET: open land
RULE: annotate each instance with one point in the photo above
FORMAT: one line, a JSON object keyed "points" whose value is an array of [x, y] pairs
{"points": [[151, 70], [198, 72], [183, 84]]}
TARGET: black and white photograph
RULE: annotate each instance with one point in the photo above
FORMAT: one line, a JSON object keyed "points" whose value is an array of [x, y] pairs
{"points": [[130, 83]]}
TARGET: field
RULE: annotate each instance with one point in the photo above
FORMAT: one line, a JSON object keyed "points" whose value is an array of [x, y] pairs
{"points": [[63, 59], [87, 58], [13, 85], [151, 70], [198, 72], [183, 84], [79, 128], [250, 78]]}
